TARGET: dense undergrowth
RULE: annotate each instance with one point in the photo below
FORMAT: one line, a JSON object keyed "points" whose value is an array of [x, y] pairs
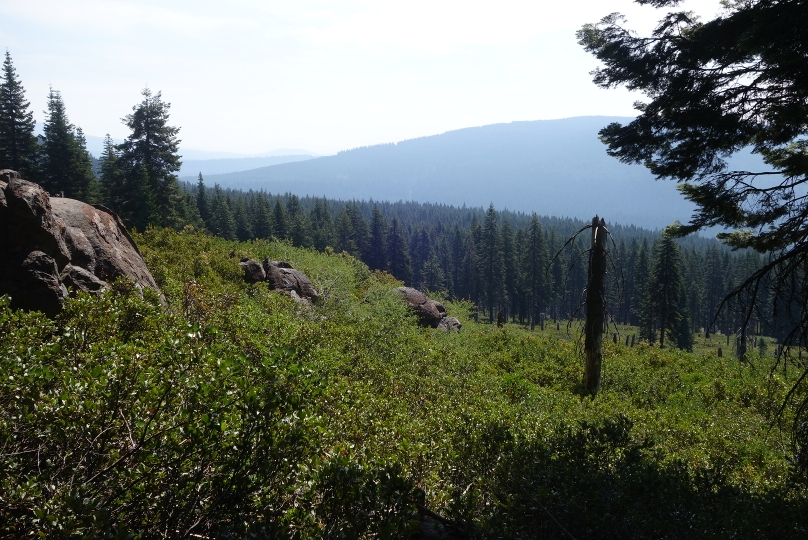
{"points": [[238, 413]]}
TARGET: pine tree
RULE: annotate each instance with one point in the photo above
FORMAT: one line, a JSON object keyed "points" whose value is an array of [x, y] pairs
{"points": [[376, 254], [149, 160], [66, 166], [511, 273], [470, 275], [85, 183], [281, 220], [202, 203], [241, 216], [112, 180], [298, 224], [433, 277], [264, 225], [399, 262], [223, 223], [492, 266], [681, 329], [18, 144], [534, 265], [345, 234], [360, 228], [322, 226], [665, 287]]}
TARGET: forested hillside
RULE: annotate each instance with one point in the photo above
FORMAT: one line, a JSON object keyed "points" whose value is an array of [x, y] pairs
{"points": [[505, 261], [555, 167]]}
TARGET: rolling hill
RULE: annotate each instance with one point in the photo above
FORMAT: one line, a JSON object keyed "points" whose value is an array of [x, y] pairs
{"points": [[553, 167]]}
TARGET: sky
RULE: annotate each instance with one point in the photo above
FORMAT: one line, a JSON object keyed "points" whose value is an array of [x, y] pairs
{"points": [[250, 76]]}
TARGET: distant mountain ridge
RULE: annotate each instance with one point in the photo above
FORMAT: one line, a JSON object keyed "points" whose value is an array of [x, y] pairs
{"points": [[192, 167], [552, 167]]}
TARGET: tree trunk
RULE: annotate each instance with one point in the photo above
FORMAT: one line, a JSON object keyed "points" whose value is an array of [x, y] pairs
{"points": [[595, 307]]}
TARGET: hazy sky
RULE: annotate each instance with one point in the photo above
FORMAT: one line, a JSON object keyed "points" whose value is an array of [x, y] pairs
{"points": [[251, 76]]}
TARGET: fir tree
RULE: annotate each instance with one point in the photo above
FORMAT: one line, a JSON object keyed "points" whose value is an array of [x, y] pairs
{"points": [[280, 220], [112, 181], [376, 256], [345, 234], [66, 167], [433, 277], [149, 160], [298, 224], [399, 262], [241, 216], [264, 224], [534, 265], [222, 222], [360, 228], [491, 264], [665, 287], [202, 203], [18, 145], [322, 226]]}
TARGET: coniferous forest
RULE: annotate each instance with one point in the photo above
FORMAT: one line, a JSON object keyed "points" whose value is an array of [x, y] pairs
{"points": [[513, 264], [216, 407]]}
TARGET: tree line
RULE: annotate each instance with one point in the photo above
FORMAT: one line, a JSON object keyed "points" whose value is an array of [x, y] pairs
{"points": [[136, 178], [507, 263], [511, 265]]}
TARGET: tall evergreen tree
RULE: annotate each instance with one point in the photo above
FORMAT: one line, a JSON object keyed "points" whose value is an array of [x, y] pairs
{"points": [[322, 226], [222, 221], [534, 266], [399, 262], [433, 277], [202, 203], [280, 219], [112, 180], [242, 217], [360, 228], [298, 224], [149, 160], [264, 225], [66, 166], [511, 269], [470, 276], [491, 263], [376, 255], [681, 328], [345, 234], [18, 144], [665, 286]]}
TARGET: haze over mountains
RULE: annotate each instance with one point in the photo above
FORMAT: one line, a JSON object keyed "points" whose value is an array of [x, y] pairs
{"points": [[207, 162], [552, 167]]}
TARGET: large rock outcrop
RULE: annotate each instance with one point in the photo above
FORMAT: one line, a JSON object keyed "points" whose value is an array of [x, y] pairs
{"points": [[48, 244], [430, 312], [280, 277]]}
